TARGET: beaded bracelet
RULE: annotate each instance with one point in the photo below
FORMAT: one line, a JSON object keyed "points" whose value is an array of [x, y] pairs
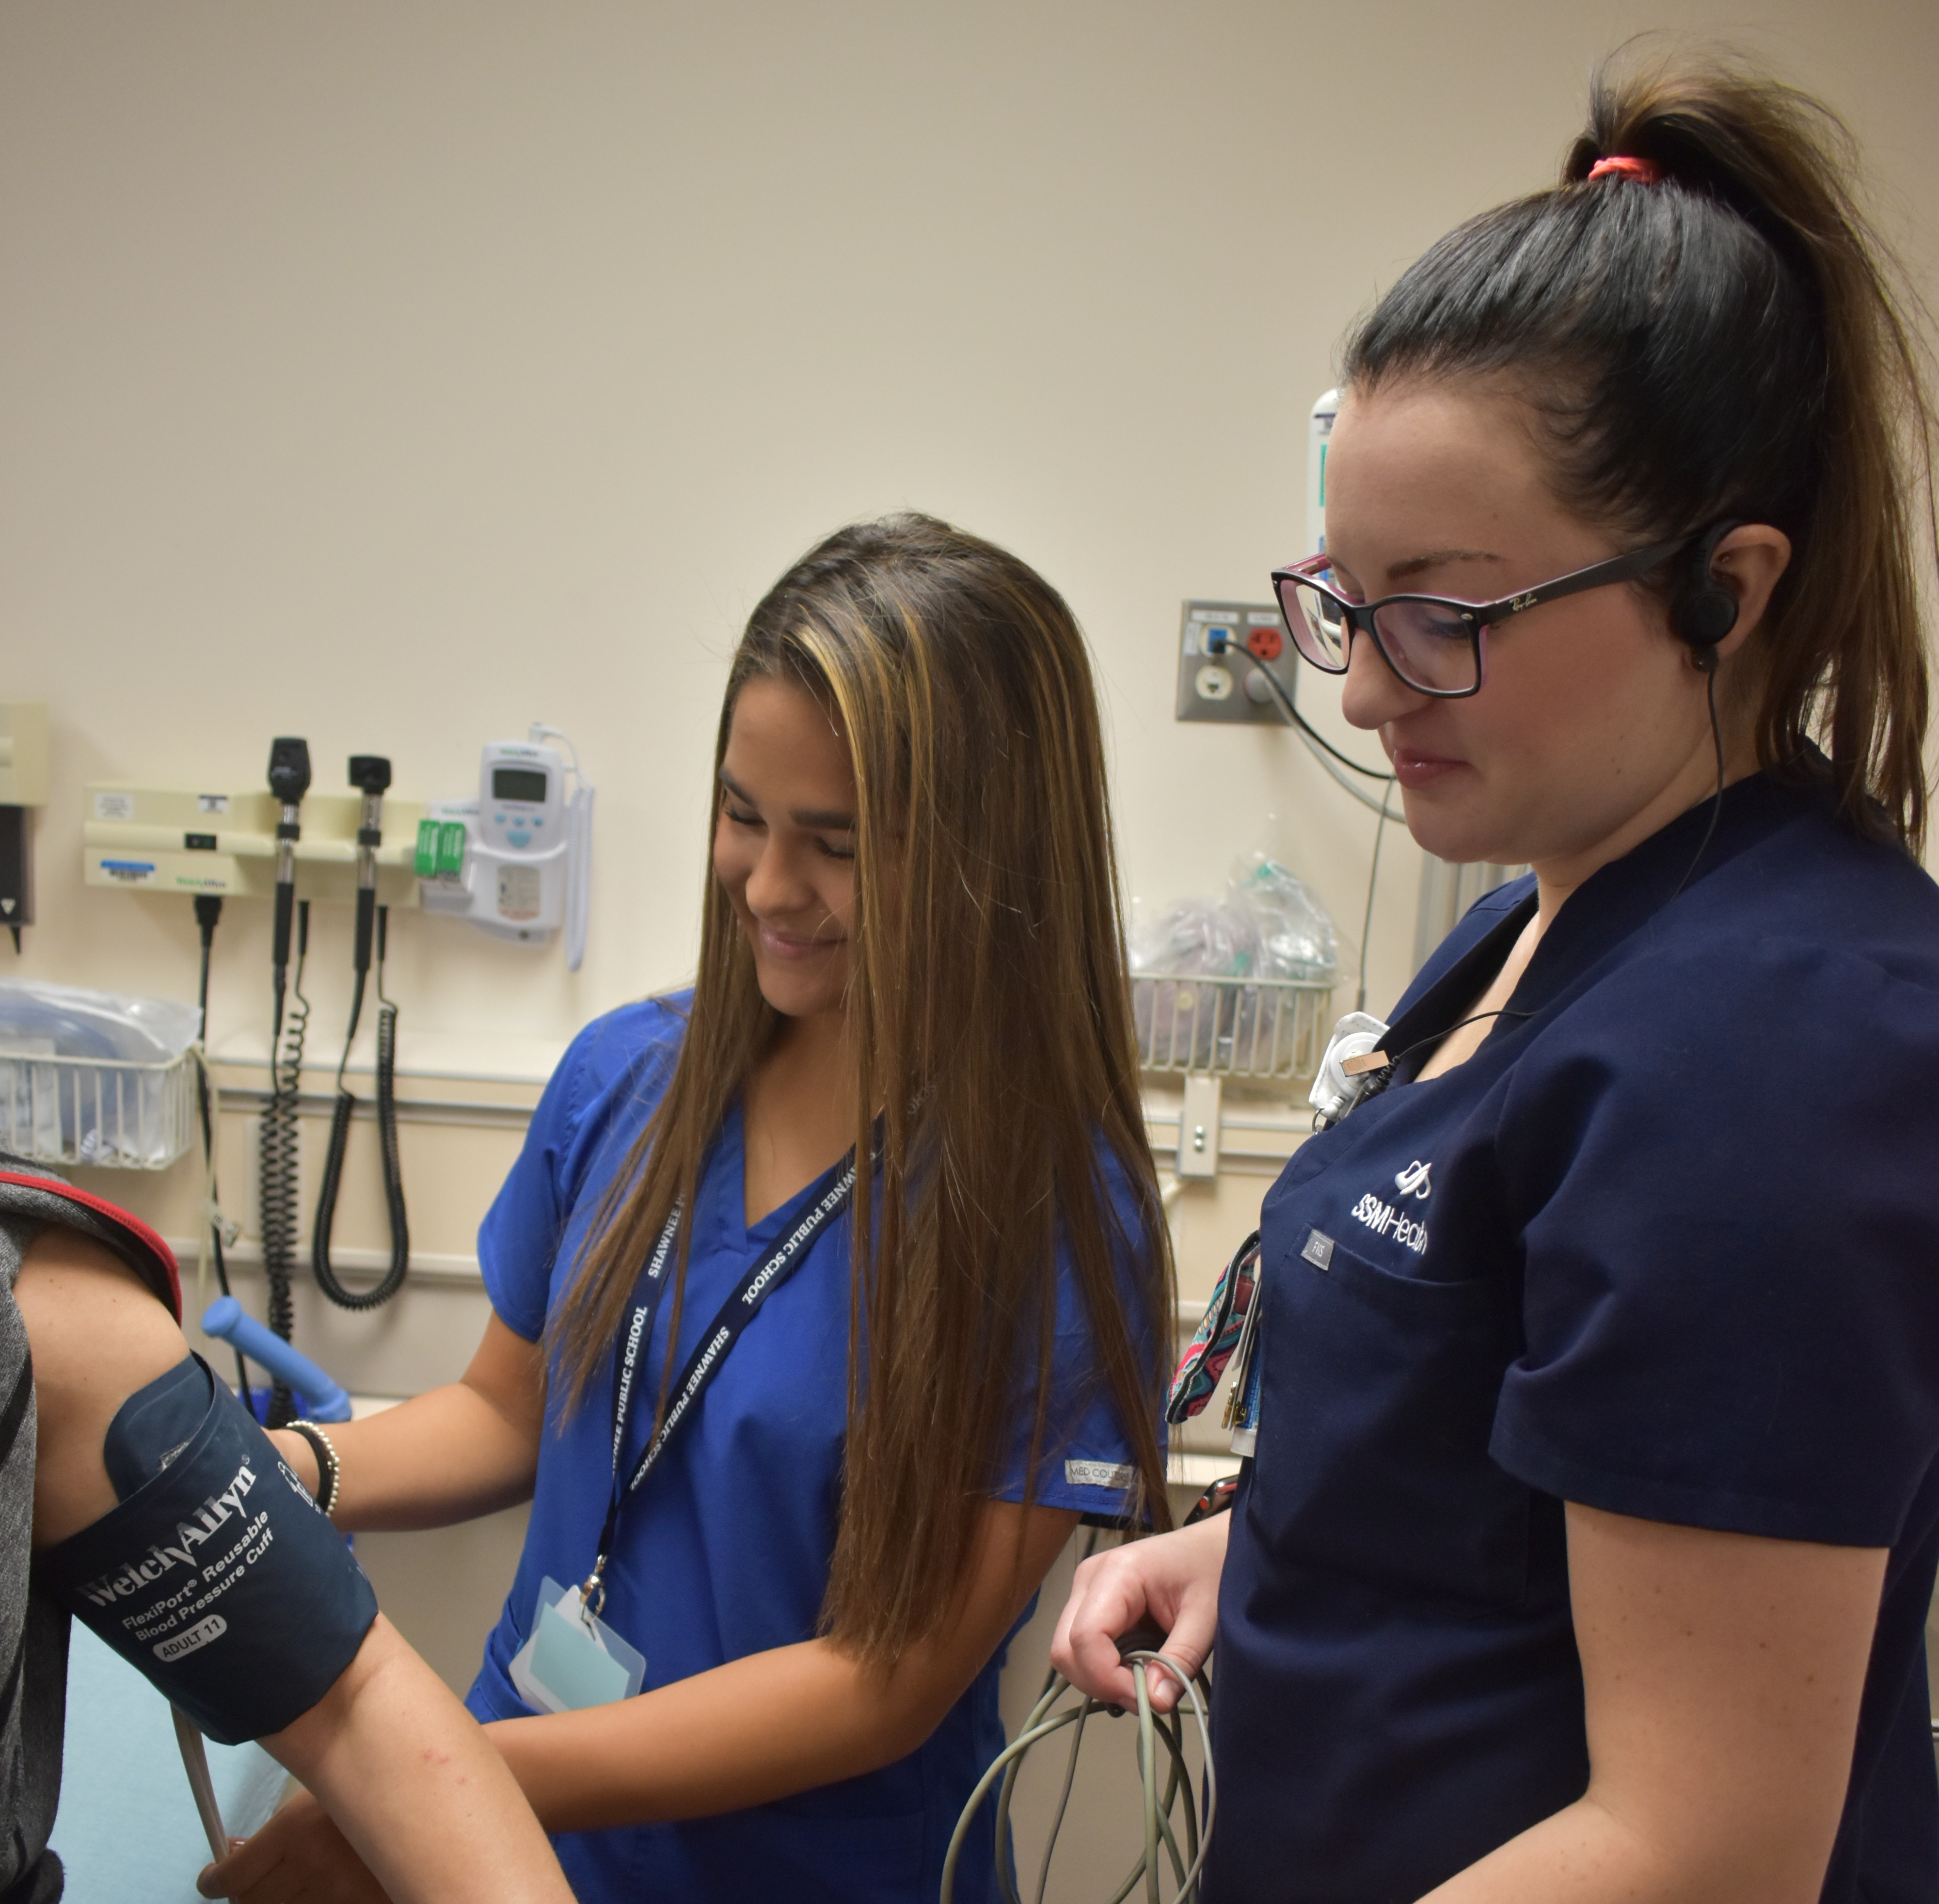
{"points": [[327, 1465]]}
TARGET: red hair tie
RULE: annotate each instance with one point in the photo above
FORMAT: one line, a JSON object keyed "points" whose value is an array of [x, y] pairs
{"points": [[1640, 170]]}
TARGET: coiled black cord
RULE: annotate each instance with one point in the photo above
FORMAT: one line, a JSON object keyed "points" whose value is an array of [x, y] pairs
{"points": [[279, 1156], [327, 1279]]}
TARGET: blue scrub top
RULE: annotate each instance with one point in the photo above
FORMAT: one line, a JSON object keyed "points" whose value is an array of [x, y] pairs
{"points": [[1667, 1246], [725, 1549]]}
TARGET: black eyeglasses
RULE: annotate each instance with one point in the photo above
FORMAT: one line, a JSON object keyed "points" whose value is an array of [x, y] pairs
{"points": [[1432, 643]]}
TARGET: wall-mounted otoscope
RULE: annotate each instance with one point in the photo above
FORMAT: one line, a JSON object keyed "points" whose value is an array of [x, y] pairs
{"points": [[289, 781]]}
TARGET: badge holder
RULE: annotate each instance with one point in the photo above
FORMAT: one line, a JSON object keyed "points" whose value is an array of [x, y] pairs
{"points": [[1242, 1405], [1218, 1337], [573, 1659]]}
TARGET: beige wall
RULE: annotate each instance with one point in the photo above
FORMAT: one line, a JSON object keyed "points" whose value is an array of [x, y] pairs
{"points": [[398, 374]]}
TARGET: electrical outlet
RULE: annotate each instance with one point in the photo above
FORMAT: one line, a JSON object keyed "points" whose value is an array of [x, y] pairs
{"points": [[1227, 687]]}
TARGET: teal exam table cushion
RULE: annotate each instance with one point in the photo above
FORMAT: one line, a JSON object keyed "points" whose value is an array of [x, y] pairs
{"points": [[127, 1829]]}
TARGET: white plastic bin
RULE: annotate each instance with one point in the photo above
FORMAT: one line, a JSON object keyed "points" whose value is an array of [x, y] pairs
{"points": [[92, 1077]]}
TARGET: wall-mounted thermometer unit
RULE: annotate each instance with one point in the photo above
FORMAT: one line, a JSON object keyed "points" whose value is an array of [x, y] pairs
{"points": [[517, 859], [1319, 436]]}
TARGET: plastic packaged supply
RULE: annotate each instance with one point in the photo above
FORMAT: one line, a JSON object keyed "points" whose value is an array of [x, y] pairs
{"points": [[1267, 926], [1177, 1023], [1293, 932], [94, 1077]]}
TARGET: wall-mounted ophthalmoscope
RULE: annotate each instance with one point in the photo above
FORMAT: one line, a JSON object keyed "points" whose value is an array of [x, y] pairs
{"points": [[370, 775]]}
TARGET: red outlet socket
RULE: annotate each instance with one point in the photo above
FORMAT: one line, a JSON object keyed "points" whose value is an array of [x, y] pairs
{"points": [[1265, 641]]}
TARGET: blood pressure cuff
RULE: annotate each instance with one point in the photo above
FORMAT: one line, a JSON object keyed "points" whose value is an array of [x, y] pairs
{"points": [[218, 1578]]}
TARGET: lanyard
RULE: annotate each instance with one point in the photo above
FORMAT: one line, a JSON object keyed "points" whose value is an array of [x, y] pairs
{"points": [[716, 1343]]}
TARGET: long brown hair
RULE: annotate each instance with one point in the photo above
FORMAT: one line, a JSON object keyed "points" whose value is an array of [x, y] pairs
{"points": [[1732, 339], [989, 1014]]}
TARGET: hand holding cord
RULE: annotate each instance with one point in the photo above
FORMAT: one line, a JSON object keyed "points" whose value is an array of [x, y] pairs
{"points": [[1158, 1734], [371, 774]]}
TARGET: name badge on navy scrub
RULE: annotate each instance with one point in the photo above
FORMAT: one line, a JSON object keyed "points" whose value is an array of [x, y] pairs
{"points": [[573, 1658]]}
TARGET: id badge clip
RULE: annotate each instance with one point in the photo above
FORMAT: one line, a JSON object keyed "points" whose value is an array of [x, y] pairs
{"points": [[573, 1659], [1242, 1404], [1352, 1057]]}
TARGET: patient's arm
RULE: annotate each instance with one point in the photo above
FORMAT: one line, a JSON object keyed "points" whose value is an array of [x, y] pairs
{"points": [[97, 1334], [413, 1783]]}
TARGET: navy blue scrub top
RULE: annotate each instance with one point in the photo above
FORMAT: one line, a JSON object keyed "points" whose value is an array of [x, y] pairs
{"points": [[1668, 1246], [725, 1549]]}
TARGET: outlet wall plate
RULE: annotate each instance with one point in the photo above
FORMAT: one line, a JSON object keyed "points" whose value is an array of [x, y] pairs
{"points": [[1222, 688], [1198, 1126]]}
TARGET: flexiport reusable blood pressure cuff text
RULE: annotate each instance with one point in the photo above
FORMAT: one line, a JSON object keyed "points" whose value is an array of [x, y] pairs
{"points": [[218, 1579]]}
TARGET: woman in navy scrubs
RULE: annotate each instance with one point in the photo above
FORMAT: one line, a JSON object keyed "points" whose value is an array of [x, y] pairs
{"points": [[911, 949], [1588, 1545]]}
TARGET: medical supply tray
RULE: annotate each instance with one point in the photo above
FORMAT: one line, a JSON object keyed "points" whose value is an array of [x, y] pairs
{"points": [[1232, 1027], [122, 1113], [95, 1077]]}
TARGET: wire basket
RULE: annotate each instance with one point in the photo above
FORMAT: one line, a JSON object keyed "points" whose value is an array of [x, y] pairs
{"points": [[109, 1111], [1233, 1027]]}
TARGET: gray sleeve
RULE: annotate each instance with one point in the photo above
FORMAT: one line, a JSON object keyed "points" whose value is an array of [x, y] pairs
{"points": [[33, 1629]]}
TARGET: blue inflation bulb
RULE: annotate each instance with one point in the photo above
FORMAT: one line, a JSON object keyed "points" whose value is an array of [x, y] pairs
{"points": [[322, 1400]]}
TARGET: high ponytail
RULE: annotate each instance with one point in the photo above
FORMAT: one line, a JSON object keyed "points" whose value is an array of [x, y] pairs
{"points": [[1729, 339]]}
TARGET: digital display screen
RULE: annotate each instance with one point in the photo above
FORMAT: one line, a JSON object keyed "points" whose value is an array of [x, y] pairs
{"points": [[519, 783]]}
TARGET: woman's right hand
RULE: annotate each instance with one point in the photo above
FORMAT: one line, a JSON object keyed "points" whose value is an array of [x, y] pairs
{"points": [[1170, 1580], [299, 1857], [411, 1802]]}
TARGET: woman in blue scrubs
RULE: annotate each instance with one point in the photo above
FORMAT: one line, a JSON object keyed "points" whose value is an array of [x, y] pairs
{"points": [[1587, 1547], [810, 1436]]}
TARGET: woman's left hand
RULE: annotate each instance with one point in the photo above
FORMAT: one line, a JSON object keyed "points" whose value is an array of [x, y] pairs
{"points": [[298, 1857]]}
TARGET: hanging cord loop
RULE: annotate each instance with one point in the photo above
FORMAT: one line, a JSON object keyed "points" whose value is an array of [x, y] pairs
{"points": [[219, 1232], [341, 1114], [1174, 1822]]}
